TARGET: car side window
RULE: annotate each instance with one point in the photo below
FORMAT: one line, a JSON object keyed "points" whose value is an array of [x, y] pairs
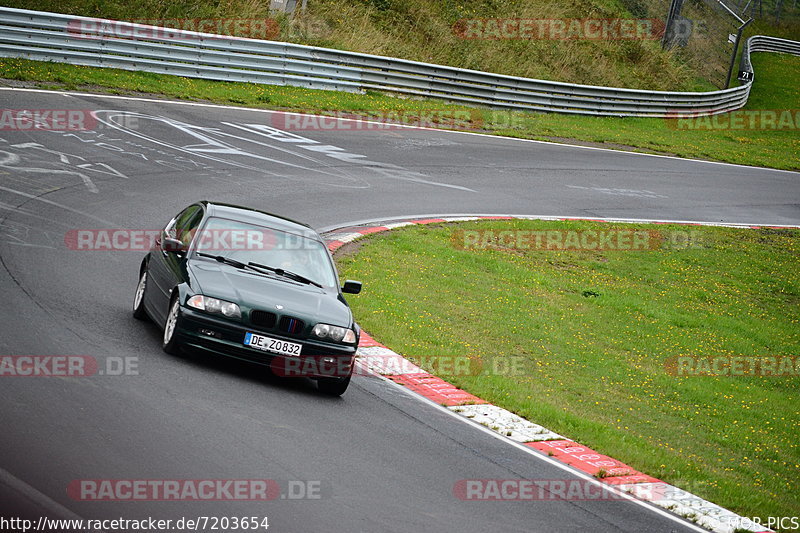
{"points": [[184, 225]]}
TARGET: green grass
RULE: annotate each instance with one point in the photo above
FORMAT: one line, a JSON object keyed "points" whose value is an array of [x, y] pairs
{"points": [[595, 330], [774, 88], [423, 30]]}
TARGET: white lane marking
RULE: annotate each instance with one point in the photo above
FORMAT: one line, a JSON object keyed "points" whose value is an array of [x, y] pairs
{"points": [[63, 157], [28, 245], [56, 204], [212, 146], [395, 172], [386, 169], [29, 213], [550, 143], [636, 193], [36, 496], [207, 146], [33, 170], [8, 158], [103, 169], [260, 132], [447, 218]]}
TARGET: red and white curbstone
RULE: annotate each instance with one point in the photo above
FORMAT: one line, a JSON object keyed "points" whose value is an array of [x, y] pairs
{"points": [[376, 358]]}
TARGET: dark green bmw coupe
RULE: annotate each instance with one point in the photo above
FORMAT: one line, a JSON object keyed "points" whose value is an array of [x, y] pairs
{"points": [[254, 286]]}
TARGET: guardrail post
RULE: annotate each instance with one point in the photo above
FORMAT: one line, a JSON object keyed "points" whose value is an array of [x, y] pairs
{"points": [[668, 40], [735, 51]]}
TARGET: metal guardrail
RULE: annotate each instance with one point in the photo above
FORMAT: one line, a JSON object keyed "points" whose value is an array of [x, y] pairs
{"points": [[88, 41], [762, 43]]}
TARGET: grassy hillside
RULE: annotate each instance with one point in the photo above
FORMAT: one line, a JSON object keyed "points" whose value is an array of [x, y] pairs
{"points": [[423, 30]]}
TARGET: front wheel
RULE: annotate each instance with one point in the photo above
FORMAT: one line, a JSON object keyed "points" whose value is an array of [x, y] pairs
{"points": [[170, 343], [138, 298], [333, 386]]}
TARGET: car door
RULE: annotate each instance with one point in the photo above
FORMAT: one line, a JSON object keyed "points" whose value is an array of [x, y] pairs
{"points": [[166, 269]]}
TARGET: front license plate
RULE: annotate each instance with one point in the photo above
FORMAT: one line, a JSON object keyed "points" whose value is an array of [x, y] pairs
{"points": [[268, 344]]}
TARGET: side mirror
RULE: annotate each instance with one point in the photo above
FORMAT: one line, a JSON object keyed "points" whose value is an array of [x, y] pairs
{"points": [[352, 287], [169, 244]]}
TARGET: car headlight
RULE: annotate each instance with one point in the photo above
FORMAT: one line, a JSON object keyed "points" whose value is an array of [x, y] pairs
{"points": [[213, 305], [334, 333]]}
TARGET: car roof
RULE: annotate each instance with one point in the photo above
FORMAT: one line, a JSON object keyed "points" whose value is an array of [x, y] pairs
{"points": [[255, 216]]}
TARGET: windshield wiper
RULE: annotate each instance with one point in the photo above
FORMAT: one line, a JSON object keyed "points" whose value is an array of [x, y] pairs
{"points": [[286, 273], [229, 261], [223, 259], [258, 267]]}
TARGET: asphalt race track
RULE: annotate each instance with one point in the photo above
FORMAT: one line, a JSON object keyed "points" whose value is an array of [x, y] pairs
{"points": [[383, 459]]}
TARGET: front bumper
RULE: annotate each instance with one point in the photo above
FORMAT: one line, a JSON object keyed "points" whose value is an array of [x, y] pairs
{"points": [[316, 359]]}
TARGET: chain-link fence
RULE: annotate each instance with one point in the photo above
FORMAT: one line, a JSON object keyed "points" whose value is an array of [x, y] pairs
{"points": [[703, 32], [774, 11]]}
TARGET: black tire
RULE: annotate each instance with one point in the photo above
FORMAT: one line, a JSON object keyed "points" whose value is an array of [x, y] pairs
{"points": [[333, 386], [139, 312], [170, 342]]}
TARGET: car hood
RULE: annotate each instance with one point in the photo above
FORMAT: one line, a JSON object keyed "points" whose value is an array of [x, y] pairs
{"points": [[256, 291]]}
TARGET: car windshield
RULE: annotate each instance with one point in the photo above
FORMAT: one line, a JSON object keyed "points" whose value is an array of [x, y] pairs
{"points": [[249, 243]]}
